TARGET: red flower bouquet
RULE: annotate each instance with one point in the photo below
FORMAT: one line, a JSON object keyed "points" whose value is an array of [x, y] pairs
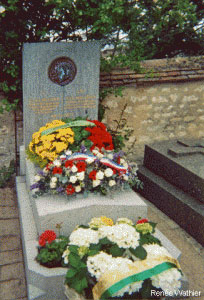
{"points": [[100, 137]]}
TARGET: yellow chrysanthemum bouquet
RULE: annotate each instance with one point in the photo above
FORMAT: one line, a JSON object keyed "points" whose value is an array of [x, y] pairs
{"points": [[53, 139], [47, 147]]}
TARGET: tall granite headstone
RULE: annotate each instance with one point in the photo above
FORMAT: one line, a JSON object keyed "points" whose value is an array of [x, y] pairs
{"points": [[59, 80]]}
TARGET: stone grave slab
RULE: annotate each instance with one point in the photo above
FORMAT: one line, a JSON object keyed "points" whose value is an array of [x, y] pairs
{"points": [[185, 147], [179, 206], [180, 163], [50, 209], [40, 280], [59, 80], [173, 180]]}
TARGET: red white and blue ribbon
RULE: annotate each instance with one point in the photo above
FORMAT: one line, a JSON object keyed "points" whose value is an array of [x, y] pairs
{"points": [[105, 161]]}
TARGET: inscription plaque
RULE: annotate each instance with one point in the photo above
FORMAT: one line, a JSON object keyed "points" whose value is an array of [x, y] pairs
{"points": [[59, 80], [62, 71]]}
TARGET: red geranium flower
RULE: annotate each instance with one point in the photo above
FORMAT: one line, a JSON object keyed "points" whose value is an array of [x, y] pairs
{"points": [[70, 189], [47, 236], [57, 170], [81, 166], [142, 221], [92, 175], [68, 164]]}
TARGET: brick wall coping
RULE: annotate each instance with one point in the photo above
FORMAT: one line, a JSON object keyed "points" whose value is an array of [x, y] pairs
{"points": [[166, 70], [178, 69]]}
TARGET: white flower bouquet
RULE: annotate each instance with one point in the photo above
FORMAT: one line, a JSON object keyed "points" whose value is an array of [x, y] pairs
{"points": [[118, 261]]}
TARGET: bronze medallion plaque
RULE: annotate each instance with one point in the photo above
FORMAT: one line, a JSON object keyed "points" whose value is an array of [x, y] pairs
{"points": [[62, 71]]}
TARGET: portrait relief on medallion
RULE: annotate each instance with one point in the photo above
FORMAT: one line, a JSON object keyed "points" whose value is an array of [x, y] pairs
{"points": [[62, 71]]}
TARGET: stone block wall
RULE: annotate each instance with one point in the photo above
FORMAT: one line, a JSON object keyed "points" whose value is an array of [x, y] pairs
{"points": [[164, 102], [7, 137]]}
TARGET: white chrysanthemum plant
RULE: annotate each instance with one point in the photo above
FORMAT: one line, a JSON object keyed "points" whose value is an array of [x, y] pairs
{"points": [[82, 172], [109, 261]]}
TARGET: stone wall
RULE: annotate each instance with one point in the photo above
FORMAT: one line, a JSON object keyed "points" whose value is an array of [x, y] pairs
{"points": [[165, 102], [7, 137]]}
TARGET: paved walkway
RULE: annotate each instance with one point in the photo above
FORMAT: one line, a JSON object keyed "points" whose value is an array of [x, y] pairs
{"points": [[12, 275]]}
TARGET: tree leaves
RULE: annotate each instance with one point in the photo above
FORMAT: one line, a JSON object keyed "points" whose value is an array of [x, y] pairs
{"points": [[136, 30]]}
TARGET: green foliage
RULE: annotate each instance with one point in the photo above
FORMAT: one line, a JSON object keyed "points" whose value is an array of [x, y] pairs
{"points": [[153, 226], [139, 252], [147, 289], [51, 254], [121, 132], [121, 60], [37, 160], [134, 30], [116, 91], [149, 239], [6, 173], [20, 22], [76, 276], [80, 136], [115, 251]]}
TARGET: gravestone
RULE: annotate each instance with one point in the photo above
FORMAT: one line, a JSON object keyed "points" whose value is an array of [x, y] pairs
{"points": [[59, 80], [173, 177], [180, 163], [187, 147]]}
